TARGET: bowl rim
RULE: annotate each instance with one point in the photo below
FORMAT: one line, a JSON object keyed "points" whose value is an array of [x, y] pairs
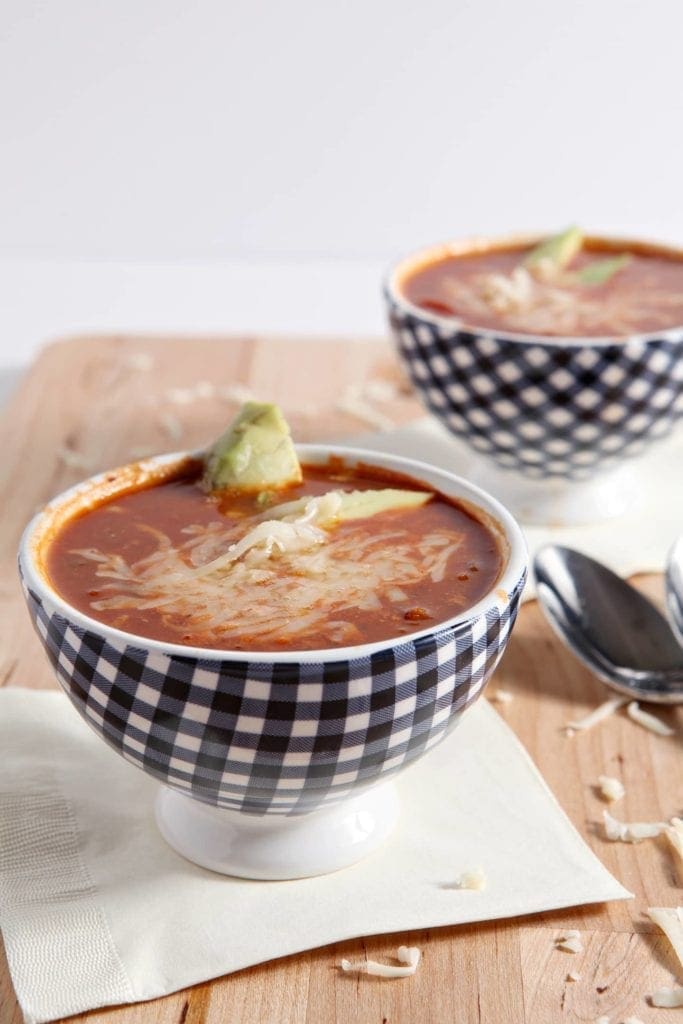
{"points": [[513, 573], [427, 254]]}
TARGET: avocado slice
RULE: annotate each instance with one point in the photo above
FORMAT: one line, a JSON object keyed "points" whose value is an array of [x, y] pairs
{"points": [[600, 271], [361, 504], [255, 452], [554, 253], [355, 504]]}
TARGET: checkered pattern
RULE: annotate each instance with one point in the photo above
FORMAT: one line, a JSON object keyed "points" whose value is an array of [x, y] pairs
{"points": [[545, 410], [268, 737]]}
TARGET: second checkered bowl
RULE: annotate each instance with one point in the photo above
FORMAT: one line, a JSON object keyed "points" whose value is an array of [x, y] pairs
{"points": [[255, 739], [554, 415]]}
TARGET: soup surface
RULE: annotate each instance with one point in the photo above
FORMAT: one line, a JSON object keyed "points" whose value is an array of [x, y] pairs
{"points": [[496, 290], [166, 562]]}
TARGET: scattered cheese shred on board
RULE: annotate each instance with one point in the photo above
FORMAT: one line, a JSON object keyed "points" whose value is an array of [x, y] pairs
{"points": [[475, 880], [633, 1020], [171, 425], [648, 721], [598, 715], [670, 920], [669, 997], [362, 410], [380, 391], [140, 361], [573, 976], [359, 400], [74, 460], [570, 941], [674, 833], [179, 396], [602, 1020], [633, 831], [611, 789], [238, 393], [408, 957], [140, 451], [501, 696]]}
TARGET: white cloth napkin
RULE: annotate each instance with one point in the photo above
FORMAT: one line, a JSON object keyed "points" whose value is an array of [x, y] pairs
{"points": [[637, 541], [96, 909]]}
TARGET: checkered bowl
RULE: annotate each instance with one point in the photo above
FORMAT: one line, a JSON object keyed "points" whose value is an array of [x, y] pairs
{"points": [[549, 409], [274, 734]]}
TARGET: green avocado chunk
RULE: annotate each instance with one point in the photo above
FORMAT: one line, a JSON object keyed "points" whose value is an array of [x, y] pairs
{"points": [[600, 271], [361, 504], [355, 504], [554, 253], [255, 452]]}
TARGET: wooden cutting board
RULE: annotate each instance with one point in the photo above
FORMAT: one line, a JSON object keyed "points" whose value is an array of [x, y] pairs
{"points": [[91, 403]]}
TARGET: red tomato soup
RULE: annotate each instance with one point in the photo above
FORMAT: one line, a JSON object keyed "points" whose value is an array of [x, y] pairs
{"points": [[170, 562], [635, 289]]}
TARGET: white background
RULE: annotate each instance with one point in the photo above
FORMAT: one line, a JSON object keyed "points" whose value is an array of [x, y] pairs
{"points": [[254, 164]]}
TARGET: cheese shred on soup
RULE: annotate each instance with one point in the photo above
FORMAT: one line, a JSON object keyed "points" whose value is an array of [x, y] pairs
{"points": [[599, 290], [274, 571]]}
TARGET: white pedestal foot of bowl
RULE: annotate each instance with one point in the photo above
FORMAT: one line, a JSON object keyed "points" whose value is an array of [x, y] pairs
{"points": [[558, 502], [275, 846]]}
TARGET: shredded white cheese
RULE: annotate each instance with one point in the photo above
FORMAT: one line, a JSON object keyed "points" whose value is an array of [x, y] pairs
{"points": [[648, 721], [598, 715], [633, 1020], [171, 425], [550, 303], [180, 396], [307, 578], [573, 976], [362, 410], [474, 880], [505, 294], [602, 1020], [141, 362], [380, 391], [570, 941], [290, 534], [669, 997], [674, 833], [74, 460], [237, 393], [501, 696], [631, 832], [141, 451], [670, 920], [204, 389], [612, 789], [357, 400], [408, 957]]}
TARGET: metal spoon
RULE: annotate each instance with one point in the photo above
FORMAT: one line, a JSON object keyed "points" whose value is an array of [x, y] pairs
{"points": [[609, 625], [674, 588]]}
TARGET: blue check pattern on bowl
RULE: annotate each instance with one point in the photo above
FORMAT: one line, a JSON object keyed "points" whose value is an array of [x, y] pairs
{"points": [[274, 737], [543, 408]]}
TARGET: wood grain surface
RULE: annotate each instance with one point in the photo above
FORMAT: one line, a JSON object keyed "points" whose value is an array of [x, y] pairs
{"points": [[92, 403]]}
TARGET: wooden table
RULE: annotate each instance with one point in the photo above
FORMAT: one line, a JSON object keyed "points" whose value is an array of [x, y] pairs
{"points": [[90, 403]]}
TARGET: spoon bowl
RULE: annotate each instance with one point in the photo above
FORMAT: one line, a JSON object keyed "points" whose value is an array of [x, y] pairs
{"points": [[620, 635], [674, 588]]}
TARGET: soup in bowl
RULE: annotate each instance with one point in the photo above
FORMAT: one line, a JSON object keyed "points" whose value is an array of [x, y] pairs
{"points": [[555, 359], [277, 713]]}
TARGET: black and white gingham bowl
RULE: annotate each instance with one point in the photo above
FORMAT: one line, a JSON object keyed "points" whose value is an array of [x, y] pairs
{"points": [[281, 733], [546, 408]]}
